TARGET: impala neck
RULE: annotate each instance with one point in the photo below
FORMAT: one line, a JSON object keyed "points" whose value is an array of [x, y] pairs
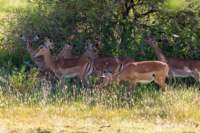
{"points": [[66, 53], [158, 52], [115, 77], [48, 59]]}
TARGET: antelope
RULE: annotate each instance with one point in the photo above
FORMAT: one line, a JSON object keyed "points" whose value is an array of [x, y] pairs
{"points": [[110, 64], [141, 72], [39, 61], [105, 64], [65, 52], [71, 67], [178, 67], [45, 72]]}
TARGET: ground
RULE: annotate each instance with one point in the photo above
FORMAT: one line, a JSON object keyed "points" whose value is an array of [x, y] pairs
{"points": [[79, 118]]}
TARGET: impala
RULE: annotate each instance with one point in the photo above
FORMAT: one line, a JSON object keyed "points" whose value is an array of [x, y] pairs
{"points": [[141, 72], [45, 72], [71, 67], [65, 52], [104, 64], [110, 64], [178, 67], [39, 61]]}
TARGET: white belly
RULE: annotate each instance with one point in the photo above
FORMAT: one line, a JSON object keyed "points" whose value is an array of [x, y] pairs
{"points": [[144, 81], [186, 72], [144, 77]]}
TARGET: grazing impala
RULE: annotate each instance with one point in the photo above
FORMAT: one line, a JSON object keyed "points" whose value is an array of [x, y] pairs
{"points": [[71, 67], [141, 72], [110, 64], [178, 67]]}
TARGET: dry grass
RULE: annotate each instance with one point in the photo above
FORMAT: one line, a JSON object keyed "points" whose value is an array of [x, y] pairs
{"points": [[81, 118], [176, 110]]}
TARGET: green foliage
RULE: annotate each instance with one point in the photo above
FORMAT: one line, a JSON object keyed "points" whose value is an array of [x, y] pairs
{"points": [[23, 82], [120, 26]]}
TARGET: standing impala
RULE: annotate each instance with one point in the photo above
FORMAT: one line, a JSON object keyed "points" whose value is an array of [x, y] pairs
{"points": [[110, 64], [39, 61], [178, 67], [142, 72], [71, 67], [65, 52]]}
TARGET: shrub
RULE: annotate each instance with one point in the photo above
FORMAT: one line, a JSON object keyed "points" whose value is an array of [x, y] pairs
{"points": [[22, 81]]}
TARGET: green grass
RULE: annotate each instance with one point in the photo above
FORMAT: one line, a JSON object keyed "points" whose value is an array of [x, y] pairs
{"points": [[8, 6]]}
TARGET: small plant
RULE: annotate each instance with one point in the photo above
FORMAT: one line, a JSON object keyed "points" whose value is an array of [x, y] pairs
{"points": [[22, 81]]}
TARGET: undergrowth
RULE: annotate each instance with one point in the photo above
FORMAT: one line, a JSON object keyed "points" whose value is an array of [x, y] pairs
{"points": [[179, 102]]}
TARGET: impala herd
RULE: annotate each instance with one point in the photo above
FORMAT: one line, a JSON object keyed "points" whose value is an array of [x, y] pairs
{"points": [[64, 64]]}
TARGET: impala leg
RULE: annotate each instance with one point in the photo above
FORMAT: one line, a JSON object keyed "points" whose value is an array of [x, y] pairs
{"points": [[131, 87], [86, 80], [83, 81], [160, 80], [172, 77], [62, 84], [53, 80]]}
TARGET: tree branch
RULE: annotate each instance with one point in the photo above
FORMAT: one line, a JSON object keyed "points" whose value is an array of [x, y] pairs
{"points": [[137, 15]]}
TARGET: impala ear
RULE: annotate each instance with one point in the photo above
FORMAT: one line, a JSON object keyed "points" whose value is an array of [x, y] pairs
{"points": [[23, 38]]}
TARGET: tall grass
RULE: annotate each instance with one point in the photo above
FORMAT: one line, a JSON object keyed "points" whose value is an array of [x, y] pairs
{"points": [[180, 102]]}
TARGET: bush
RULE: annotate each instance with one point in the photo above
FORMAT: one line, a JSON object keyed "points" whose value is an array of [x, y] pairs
{"points": [[22, 81]]}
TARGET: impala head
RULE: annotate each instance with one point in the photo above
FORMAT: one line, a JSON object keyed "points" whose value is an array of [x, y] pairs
{"points": [[48, 43], [91, 50], [41, 51], [23, 38], [150, 40], [28, 39], [67, 47], [107, 76], [196, 75]]}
